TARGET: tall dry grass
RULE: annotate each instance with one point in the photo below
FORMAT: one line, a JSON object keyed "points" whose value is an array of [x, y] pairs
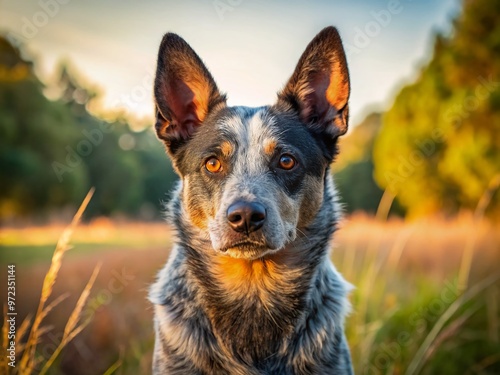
{"points": [[482, 205], [400, 270], [387, 302], [28, 360]]}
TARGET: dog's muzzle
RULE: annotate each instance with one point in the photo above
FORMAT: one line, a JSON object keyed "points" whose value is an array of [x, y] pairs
{"points": [[246, 217]]}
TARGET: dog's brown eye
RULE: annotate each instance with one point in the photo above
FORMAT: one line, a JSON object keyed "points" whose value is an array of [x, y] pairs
{"points": [[287, 162], [213, 165]]}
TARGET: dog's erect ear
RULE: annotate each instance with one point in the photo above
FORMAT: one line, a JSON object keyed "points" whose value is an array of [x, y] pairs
{"points": [[319, 88], [184, 90]]}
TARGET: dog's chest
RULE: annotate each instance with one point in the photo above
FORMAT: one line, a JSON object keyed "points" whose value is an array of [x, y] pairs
{"points": [[253, 307], [251, 325], [283, 332]]}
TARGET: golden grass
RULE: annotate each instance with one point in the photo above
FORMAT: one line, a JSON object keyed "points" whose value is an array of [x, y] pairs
{"points": [[27, 351], [386, 261], [465, 266], [389, 263], [73, 326], [100, 231], [380, 270], [392, 262]]}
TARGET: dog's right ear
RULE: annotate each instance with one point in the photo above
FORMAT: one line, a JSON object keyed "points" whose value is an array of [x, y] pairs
{"points": [[184, 90]]}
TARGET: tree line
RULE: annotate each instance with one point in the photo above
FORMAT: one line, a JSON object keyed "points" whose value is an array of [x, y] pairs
{"points": [[53, 151], [436, 149]]}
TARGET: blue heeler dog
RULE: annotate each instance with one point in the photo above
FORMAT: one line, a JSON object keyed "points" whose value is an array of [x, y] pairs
{"points": [[249, 287]]}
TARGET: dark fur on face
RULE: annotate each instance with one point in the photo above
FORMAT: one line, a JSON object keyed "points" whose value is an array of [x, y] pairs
{"points": [[252, 292]]}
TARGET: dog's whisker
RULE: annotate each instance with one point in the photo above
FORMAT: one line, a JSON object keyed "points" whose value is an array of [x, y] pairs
{"points": [[303, 233]]}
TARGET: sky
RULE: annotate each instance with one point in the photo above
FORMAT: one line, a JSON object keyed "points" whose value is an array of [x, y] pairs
{"points": [[250, 46]]}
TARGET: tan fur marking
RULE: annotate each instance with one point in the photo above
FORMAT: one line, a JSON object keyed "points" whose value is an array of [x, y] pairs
{"points": [[196, 213], [239, 276], [226, 148], [269, 146]]}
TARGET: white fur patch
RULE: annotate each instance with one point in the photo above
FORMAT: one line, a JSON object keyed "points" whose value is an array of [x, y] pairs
{"points": [[250, 133]]}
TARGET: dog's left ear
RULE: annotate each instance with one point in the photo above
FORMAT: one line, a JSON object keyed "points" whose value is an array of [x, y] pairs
{"points": [[319, 87], [184, 90]]}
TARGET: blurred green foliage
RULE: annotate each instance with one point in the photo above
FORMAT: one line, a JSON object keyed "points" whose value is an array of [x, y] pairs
{"points": [[53, 151], [438, 148], [354, 169]]}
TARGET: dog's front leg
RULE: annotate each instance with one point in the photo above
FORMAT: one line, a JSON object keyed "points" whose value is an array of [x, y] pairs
{"points": [[167, 362]]}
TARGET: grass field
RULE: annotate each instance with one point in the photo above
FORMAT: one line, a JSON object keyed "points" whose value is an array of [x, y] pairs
{"points": [[414, 311]]}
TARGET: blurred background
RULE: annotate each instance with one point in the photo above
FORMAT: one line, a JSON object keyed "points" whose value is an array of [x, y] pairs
{"points": [[418, 171]]}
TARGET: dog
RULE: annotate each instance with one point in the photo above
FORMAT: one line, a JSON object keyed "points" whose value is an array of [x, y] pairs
{"points": [[249, 288]]}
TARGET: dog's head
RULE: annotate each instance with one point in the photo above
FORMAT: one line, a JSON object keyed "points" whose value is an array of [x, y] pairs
{"points": [[252, 178]]}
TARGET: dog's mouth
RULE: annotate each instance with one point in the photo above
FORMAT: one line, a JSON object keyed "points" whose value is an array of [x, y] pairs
{"points": [[247, 250], [246, 246]]}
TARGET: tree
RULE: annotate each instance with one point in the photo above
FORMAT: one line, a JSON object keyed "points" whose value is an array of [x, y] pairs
{"points": [[438, 149], [353, 168], [31, 130], [53, 151]]}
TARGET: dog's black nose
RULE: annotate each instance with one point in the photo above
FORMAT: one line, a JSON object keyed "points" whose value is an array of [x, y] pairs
{"points": [[246, 216]]}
